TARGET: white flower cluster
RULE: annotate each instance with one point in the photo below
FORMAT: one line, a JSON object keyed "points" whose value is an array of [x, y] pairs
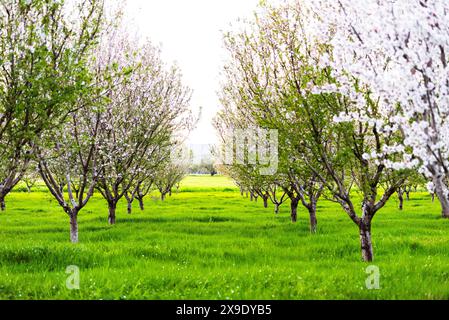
{"points": [[400, 51]]}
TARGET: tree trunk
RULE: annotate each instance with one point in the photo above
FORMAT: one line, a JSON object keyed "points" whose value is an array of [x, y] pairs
{"points": [[313, 219], [442, 196], [2, 204], [74, 226], [141, 205], [265, 202], [294, 210], [112, 209], [276, 208], [130, 207], [365, 240], [129, 200], [163, 196], [252, 197], [401, 199], [241, 192], [407, 193]]}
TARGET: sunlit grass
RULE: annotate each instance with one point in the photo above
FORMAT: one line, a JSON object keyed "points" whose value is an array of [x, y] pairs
{"points": [[210, 243]]}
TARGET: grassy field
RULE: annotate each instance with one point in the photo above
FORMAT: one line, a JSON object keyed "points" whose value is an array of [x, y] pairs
{"points": [[207, 242]]}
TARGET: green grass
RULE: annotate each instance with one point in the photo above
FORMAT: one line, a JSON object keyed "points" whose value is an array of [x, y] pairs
{"points": [[207, 242]]}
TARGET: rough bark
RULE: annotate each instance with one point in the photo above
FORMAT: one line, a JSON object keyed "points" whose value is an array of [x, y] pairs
{"points": [[141, 204], [265, 202], [313, 219], [365, 240], [112, 209], [129, 201], [130, 207], [74, 227], [442, 196], [294, 210], [2, 204], [401, 199]]}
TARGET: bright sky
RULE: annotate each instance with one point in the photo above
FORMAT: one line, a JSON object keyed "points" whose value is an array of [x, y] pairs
{"points": [[190, 34]]}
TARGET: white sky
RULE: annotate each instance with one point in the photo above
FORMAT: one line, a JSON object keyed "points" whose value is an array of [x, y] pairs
{"points": [[189, 32]]}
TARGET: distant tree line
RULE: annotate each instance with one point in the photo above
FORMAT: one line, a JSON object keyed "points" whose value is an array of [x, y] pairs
{"points": [[206, 167]]}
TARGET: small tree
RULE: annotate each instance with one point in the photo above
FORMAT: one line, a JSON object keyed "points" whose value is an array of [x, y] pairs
{"points": [[142, 189], [171, 174], [277, 195], [31, 177], [209, 166], [412, 182], [76, 151]]}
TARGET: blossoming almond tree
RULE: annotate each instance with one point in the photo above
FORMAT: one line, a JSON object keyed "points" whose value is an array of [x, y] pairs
{"points": [[400, 50], [43, 49], [170, 176], [144, 183], [73, 159], [146, 110], [139, 191]]}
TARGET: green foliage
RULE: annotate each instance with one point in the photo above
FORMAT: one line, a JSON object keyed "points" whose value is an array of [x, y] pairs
{"points": [[45, 66]]}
